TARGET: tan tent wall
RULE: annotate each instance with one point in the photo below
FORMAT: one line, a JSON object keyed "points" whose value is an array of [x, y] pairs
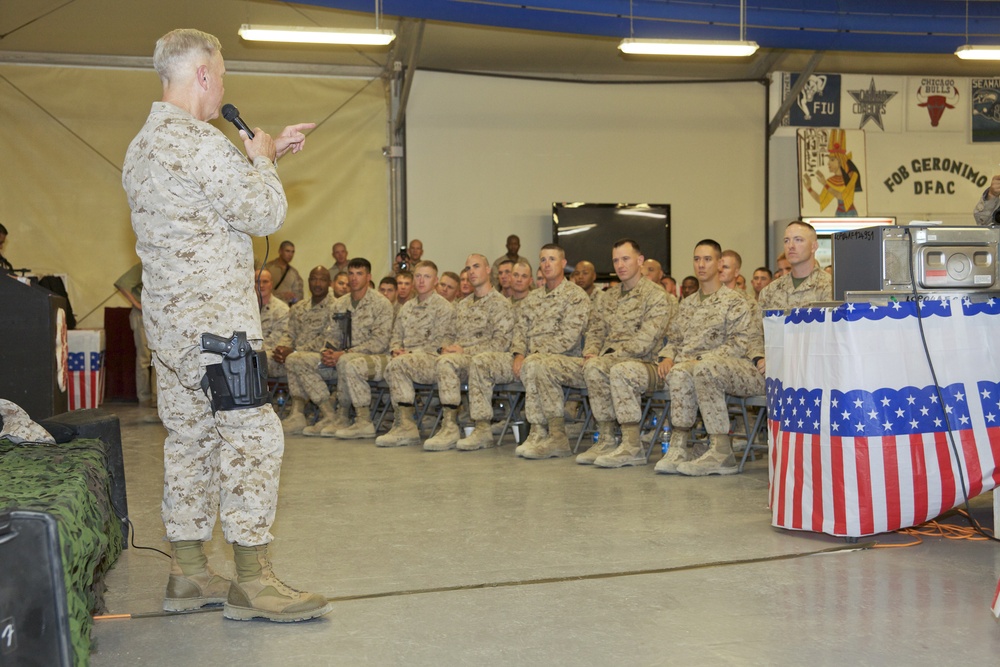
{"points": [[487, 157], [63, 136]]}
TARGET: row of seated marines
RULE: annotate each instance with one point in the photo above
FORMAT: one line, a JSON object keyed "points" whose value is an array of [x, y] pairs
{"points": [[620, 344]]}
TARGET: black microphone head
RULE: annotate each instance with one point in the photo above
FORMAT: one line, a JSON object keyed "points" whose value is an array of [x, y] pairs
{"points": [[230, 113]]}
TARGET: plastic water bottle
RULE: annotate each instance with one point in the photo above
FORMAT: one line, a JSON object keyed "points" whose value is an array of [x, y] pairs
{"points": [[597, 437], [665, 439], [281, 397]]}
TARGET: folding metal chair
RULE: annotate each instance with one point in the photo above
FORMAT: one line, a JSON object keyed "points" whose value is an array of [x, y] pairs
{"points": [[656, 406], [512, 395], [743, 406]]}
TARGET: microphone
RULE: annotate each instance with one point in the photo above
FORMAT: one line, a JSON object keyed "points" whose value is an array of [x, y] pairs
{"points": [[232, 114]]}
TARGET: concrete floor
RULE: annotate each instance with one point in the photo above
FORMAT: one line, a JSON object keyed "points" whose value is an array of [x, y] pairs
{"points": [[480, 558]]}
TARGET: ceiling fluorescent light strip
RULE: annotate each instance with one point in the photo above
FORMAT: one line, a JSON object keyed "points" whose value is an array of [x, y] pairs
{"points": [[680, 47], [969, 52], [298, 35]]}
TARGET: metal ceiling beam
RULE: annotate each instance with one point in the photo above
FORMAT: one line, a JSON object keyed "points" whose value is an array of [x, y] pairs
{"points": [[146, 63]]}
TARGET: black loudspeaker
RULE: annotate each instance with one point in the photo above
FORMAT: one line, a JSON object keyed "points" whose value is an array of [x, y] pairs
{"points": [[34, 618], [98, 424]]}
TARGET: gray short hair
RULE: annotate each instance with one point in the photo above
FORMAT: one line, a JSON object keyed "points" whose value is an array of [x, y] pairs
{"points": [[177, 46]]}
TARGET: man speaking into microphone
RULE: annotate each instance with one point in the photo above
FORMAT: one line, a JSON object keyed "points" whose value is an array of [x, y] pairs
{"points": [[196, 202]]}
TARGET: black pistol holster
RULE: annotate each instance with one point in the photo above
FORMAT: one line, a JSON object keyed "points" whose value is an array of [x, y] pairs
{"points": [[239, 381]]}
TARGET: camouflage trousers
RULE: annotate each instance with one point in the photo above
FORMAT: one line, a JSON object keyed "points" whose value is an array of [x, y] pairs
{"points": [[308, 377], [616, 385], [486, 370], [353, 373], [274, 369], [226, 464], [544, 376], [703, 385], [451, 370], [144, 389], [402, 371]]}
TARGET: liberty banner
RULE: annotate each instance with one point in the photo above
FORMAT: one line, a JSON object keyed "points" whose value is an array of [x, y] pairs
{"points": [[863, 439]]}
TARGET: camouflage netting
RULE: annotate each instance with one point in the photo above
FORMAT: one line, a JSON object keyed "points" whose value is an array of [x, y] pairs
{"points": [[71, 482]]}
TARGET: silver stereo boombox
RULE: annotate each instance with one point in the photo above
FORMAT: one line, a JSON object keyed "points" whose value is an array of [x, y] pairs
{"points": [[927, 259]]}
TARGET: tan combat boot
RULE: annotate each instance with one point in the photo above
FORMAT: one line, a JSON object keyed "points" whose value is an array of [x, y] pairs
{"points": [[296, 419], [328, 412], [361, 428], [480, 438], [341, 419], [718, 460], [678, 452], [447, 435], [605, 444], [404, 430], [555, 445], [192, 583], [258, 593], [537, 433], [629, 453]]}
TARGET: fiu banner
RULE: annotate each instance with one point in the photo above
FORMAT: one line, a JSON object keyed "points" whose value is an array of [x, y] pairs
{"points": [[877, 103], [874, 103]]}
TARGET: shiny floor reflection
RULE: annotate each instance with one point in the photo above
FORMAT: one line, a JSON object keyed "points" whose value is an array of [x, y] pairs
{"points": [[459, 558]]}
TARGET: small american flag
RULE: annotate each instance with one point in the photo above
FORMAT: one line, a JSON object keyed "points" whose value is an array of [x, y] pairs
{"points": [[86, 379]]}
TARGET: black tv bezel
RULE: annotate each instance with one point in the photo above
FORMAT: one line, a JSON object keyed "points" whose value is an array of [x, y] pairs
{"points": [[604, 275]]}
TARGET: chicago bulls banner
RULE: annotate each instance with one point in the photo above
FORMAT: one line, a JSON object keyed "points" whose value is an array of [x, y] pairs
{"points": [[863, 440], [937, 104]]}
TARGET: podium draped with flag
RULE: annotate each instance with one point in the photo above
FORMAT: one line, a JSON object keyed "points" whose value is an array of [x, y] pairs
{"points": [[863, 439]]}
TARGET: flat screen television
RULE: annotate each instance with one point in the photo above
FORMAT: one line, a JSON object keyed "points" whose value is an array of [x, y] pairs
{"points": [[588, 232]]}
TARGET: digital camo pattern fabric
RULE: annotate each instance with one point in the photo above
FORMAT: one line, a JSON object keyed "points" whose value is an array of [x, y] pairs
{"points": [[274, 317], [782, 293], [307, 376], [708, 342], [196, 200], [371, 323], [424, 326], [482, 326], [202, 477], [702, 385], [721, 324], [628, 324], [552, 321], [625, 325], [308, 324]]}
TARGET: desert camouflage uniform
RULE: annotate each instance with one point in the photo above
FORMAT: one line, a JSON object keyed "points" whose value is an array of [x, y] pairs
{"points": [[625, 325], [482, 325], [708, 343], [286, 280], [371, 326], [196, 200], [491, 368], [309, 328], [549, 332], [421, 328], [274, 325]]}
